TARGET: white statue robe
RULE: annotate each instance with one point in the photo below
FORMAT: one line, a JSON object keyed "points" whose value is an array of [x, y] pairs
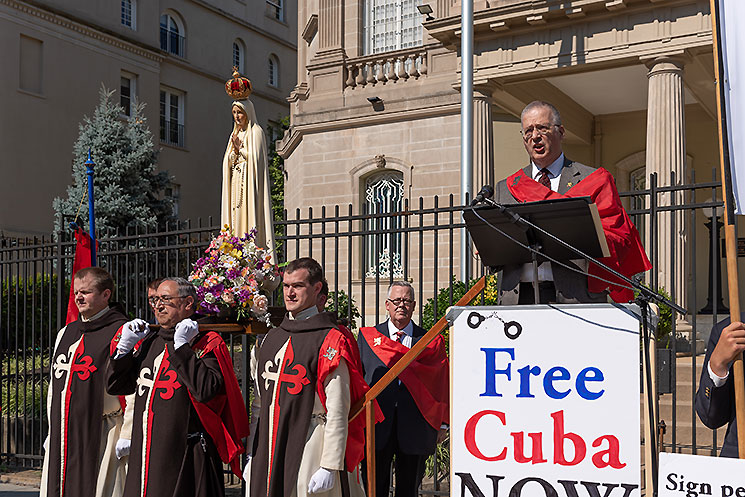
{"points": [[246, 194]]}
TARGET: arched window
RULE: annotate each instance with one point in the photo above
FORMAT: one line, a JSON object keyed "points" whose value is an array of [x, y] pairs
{"points": [[172, 35], [238, 55], [273, 71], [384, 194]]}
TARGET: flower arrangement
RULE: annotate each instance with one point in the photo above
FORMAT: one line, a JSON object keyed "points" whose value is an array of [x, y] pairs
{"points": [[232, 275]]}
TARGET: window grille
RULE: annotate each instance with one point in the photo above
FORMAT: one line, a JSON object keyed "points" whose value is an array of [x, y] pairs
{"points": [[384, 194]]}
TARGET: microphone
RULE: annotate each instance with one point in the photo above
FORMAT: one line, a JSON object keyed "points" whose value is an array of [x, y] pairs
{"points": [[487, 191]]}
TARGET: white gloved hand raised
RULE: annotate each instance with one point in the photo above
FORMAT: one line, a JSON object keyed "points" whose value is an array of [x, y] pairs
{"points": [[122, 447], [186, 330], [322, 480], [132, 332]]}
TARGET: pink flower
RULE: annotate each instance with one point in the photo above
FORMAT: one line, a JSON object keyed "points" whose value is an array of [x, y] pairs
{"points": [[260, 304]]}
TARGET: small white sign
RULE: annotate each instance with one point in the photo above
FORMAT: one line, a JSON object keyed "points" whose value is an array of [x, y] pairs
{"points": [[545, 401], [685, 475]]}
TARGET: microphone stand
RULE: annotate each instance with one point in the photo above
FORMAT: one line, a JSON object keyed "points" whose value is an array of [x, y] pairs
{"points": [[646, 295]]}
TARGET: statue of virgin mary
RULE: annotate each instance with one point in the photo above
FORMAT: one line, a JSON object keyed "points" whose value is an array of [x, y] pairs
{"points": [[246, 194]]}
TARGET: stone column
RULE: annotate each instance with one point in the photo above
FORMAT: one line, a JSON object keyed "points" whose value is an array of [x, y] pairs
{"points": [[483, 138], [666, 153], [330, 27]]}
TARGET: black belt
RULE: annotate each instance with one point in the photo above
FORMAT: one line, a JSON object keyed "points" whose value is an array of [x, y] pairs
{"points": [[198, 436]]}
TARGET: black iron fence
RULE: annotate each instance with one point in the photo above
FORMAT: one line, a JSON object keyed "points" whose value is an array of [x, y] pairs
{"points": [[362, 253]]}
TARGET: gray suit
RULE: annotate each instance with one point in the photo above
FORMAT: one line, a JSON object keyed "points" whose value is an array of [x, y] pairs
{"points": [[571, 287]]}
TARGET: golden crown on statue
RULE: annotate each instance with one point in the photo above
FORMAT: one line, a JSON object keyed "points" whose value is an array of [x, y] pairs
{"points": [[238, 87]]}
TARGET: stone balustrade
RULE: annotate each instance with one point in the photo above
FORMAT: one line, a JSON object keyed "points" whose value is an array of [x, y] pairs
{"points": [[385, 68]]}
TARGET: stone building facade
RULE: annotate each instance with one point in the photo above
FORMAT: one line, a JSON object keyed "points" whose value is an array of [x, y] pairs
{"points": [[633, 80], [174, 55]]}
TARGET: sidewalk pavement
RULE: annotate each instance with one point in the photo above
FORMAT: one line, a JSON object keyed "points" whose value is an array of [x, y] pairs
{"points": [[31, 478], [24, 478]]}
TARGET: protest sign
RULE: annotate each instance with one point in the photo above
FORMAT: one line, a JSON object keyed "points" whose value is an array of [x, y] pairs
{"points": [[693, 476], [545, 401]]}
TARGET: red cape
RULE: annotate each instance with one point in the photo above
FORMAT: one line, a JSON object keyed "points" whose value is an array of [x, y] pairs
{"points": [[627, 254], [340, 343], [427, 378], [224, 417]]}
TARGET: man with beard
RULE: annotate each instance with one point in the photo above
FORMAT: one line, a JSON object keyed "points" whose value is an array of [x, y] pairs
{"points": [[551, 175], [307, 378], [84, 421], [189, 414]]}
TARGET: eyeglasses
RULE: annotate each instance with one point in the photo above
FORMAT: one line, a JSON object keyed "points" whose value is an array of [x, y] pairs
{"points": [[541, 129], [166, 299], [398, 302]]}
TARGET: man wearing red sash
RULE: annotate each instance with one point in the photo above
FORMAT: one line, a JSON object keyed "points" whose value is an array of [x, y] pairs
{"points": [[551, 175], [416, 405], [189, 415], [307, 378]]}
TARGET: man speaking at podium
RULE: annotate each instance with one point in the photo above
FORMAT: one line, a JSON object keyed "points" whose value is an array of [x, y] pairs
{"points": [[551, 175]]}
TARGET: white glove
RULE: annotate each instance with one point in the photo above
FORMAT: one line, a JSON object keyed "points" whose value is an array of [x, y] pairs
{"points": [[322, 481], [247, 469], [132, 332], [186, 330], [122, 447]]}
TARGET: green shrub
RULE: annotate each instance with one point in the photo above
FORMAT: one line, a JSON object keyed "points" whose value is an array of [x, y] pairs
{"points": [[459, 289], [24, 389], [443, 460], [26, 305], [338, 302]]}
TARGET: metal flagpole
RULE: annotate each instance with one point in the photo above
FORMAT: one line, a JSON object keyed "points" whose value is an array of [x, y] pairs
{"points": [[729, 220], [89, 165], [466, 125]]}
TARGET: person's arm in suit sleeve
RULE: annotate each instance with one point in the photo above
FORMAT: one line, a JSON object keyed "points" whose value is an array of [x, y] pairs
{"points": [[715, 394], [338, 403]]}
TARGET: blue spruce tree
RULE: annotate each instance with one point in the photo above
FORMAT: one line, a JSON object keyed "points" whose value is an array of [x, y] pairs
{"points": [[128, 189]]}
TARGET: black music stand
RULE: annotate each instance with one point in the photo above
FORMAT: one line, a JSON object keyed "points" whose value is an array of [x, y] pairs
{"points": [[574, 220]]}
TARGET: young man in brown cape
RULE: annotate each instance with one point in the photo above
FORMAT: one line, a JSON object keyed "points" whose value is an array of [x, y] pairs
{"points": [[306, 378], [84, 421]]}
